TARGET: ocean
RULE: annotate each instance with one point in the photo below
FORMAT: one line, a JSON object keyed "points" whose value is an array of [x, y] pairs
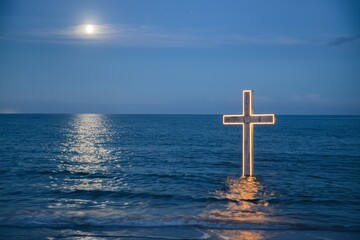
{"points": [[94, 176]]}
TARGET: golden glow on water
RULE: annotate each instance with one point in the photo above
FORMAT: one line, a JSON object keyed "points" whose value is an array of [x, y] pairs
{"points": [[239, 234], [246, 202]]}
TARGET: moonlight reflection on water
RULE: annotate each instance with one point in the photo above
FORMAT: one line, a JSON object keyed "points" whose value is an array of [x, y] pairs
{"points": [[85, 156]]}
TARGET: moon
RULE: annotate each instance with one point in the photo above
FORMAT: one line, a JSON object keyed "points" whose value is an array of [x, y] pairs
{"points": [[89, 29]]}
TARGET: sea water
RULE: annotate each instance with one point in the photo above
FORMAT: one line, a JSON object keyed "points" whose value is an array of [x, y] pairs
{"points": [[177, 177]]}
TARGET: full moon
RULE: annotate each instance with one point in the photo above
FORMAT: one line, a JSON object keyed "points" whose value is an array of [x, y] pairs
{"points": [[89, 29]]}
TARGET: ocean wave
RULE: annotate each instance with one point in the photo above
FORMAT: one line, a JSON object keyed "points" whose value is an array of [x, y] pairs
{"points": [[64, 219], [137, 195]]}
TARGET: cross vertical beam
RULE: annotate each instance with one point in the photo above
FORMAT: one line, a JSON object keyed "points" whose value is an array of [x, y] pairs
{"points": [[248, 135], [247, 120]]}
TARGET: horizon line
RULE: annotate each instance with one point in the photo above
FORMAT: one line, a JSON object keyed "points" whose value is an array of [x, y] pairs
{"points": [[189, 114]]}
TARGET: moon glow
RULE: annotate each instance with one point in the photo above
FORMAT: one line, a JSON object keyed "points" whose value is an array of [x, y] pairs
{"points": [[89, 29]]}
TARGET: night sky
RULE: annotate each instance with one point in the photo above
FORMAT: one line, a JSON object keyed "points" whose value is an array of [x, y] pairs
{"points": [[195, 57]]}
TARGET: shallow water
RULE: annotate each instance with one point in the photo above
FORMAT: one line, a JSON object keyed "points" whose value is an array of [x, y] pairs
{"points": [[177, 177]]}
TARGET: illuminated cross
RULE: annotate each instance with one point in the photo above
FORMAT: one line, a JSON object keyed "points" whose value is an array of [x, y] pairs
{"points": [[248, 119]]}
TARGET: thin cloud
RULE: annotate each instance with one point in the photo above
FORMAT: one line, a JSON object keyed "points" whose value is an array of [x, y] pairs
{"points": [[272, 40], [117, 34], [142, 35], [343, 39]]}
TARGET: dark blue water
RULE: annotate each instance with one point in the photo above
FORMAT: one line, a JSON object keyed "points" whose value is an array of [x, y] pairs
{"points": [[177, 177]]}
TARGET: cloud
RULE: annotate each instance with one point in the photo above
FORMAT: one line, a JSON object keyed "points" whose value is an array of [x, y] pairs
{"points": [[270, 40], [155, 36], [343, 39], [117, 34], [143, 35]]}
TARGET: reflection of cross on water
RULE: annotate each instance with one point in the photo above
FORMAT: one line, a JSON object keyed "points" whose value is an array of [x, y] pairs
{"points": [[248, 119], [247, 203]]}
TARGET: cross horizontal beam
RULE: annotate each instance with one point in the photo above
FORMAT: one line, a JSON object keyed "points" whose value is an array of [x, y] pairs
{"points": [[254, 119]]}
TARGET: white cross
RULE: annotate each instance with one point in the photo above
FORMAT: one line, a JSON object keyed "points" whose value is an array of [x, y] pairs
{"points": [[248, 119]]}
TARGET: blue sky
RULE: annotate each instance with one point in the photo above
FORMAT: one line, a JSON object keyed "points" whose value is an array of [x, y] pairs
{"points": [[196, 57]]}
